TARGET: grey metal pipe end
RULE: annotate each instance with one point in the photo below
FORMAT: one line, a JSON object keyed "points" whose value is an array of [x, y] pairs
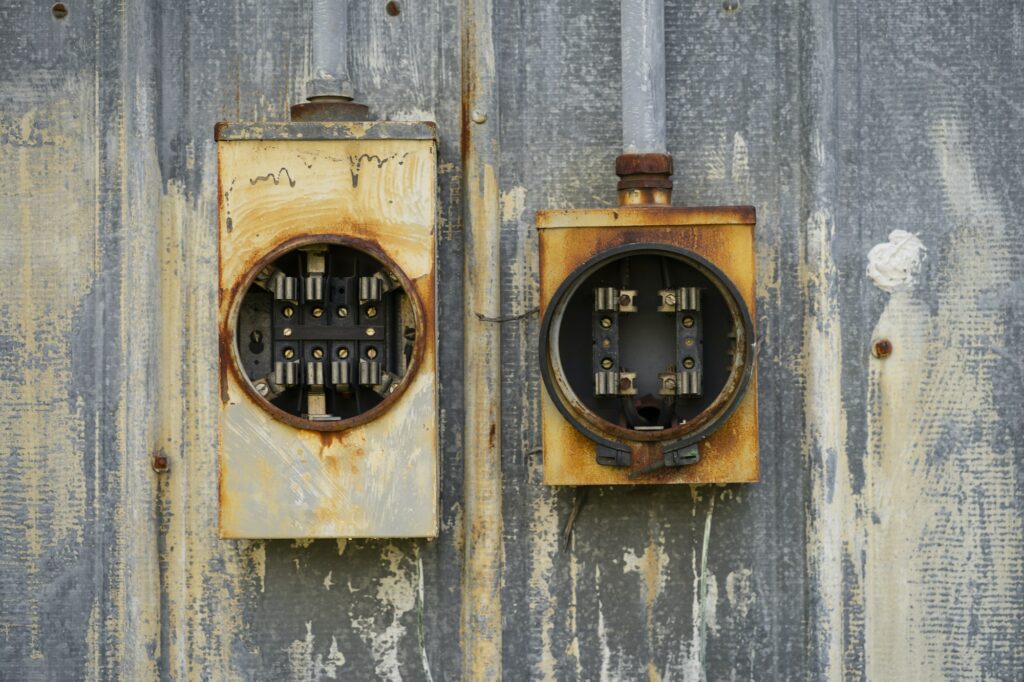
{"points": [[317, 88], [643, 76]]}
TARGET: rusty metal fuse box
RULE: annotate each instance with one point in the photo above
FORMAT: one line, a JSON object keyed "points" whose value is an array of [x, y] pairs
{"points": [[647, 345], [328, 385]]}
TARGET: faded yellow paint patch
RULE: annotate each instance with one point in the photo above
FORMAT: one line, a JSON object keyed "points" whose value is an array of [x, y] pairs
{"points": [[513, 203], [944, 542], [205, 577]]}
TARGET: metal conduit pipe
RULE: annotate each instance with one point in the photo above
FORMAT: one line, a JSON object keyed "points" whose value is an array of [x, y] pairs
{"points": [[645, 166], [329, 90], [330, 51]]}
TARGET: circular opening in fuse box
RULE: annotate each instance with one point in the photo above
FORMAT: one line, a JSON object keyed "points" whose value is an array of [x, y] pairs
{"points": [[647, 342], [326, 332]]}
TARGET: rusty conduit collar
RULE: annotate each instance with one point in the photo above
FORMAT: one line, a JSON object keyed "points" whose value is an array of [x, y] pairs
{"points": [[644, 179]]}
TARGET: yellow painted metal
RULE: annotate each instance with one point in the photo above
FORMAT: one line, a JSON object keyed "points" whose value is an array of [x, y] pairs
{"points": [[375, 479], [722, 235]]}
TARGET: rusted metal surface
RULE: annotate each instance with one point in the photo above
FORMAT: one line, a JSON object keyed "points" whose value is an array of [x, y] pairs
{"points": [[232, 298], [882, 348], [327, 130], [374, 475], [840, 121], [327, 109], [570, 238]]}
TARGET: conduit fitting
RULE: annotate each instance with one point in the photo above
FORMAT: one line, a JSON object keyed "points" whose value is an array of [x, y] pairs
{"points": [[330, 109], [329, 91], [644, 179]]}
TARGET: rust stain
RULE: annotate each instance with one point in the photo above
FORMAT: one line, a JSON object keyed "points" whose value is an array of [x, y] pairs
{"points": [[424, 328], [723, 236], [344, 478]]}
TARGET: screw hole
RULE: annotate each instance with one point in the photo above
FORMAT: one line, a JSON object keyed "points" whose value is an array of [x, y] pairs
{"points": [[59, 10], [393, 9]]}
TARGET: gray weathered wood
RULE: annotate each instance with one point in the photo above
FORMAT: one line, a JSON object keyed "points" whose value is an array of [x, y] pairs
{"points": [[885, 539]]}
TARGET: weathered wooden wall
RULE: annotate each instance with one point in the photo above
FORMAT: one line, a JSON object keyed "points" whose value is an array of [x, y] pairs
{"points": [[885, 540]]}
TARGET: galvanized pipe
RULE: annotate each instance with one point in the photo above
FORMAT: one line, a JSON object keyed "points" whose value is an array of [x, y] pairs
{"points": [[330, 51], [643, 76]]}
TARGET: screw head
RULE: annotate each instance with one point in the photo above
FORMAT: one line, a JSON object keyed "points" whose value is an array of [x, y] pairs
{"points": [[882, 348], [318, 353], [624, 384], [343, 353], [670, 299], [371, 332], [607, 363], [688, 341], [342, 311], [160, 463], [688, 363], [371, 312], [371, 353], [670, 382], [318, 312], [479, 116], [287, 331], [262, 388], [288, 353], [288, 311], [606, 322], [688, 322], [624, 299]]}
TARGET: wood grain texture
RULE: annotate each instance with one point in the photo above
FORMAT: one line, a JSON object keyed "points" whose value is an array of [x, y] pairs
{"points": [[885, 538]]}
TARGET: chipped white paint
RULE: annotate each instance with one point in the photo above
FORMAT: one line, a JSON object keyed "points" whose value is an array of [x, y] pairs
{"points": [[831, 495], [944, 539], [308, 666], [396, 596], [893, 265], [740, 592], [703, 606], [513, 203]]}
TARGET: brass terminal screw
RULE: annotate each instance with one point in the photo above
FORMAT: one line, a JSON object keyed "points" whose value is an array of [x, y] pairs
{"points": [[342, 311], [371, 332], [606, 322], [687, 322], [624, 299], [688, 363], [606, 343], [288, 353], [318, 353], [607, 363], [624, 384], [371, 353], [318, 312], [670, 299], [287, 331], [288, 311], [371, 312], [343, 353], [688, 341]]}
